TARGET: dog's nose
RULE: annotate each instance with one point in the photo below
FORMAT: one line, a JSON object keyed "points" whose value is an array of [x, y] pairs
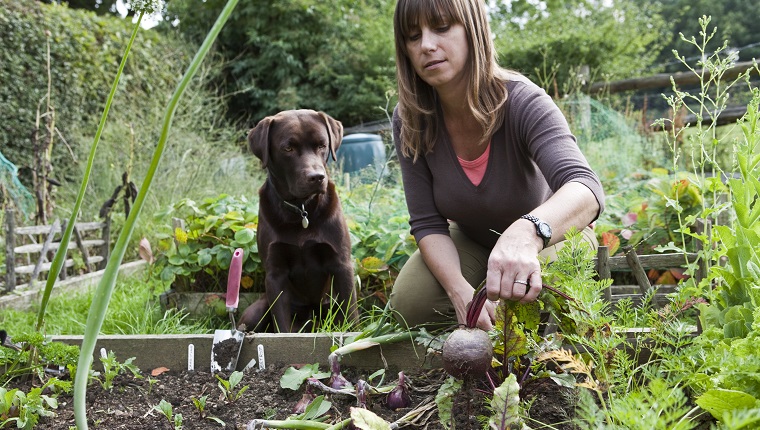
{"points": [[316, 177]]}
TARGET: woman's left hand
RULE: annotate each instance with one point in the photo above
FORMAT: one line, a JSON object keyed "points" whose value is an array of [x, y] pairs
{"points": [[514, 272]]}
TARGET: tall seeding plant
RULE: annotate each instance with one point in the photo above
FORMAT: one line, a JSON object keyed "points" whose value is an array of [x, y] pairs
{"points": [[106, 286], [720, 367]]}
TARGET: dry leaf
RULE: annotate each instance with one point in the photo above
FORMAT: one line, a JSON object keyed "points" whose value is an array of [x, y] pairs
{"points": [[158, 370]]}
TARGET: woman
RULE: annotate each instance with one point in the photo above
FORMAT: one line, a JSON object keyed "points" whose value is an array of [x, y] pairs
{"points": [[492, 175]]}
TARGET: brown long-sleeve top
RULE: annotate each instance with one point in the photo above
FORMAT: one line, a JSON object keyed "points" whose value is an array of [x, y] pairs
{"points": [[532, 155]]}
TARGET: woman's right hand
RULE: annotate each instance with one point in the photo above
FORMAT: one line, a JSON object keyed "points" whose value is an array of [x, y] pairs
{"points": [[462, 298]]}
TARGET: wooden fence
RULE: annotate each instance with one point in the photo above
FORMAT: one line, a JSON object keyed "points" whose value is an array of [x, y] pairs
{"points": [[29, 249]]}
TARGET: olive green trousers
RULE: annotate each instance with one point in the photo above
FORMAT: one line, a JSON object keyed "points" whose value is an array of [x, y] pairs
{"points": [[418, 298]]}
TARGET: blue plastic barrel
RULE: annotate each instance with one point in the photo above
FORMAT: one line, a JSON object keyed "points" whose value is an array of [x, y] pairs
{"points": [[361, 150]]}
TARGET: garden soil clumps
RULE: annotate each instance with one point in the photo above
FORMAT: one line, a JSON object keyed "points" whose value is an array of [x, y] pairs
{"points": [[130, 404]]}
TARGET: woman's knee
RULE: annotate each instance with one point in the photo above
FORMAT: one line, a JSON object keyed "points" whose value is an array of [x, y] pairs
{"points": [[417, 297]]}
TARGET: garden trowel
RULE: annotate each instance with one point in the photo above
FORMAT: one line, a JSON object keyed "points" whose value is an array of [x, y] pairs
{"points": [[227, 343]]}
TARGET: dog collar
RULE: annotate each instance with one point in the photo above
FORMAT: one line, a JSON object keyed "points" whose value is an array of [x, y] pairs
{"points": [[301, 211]]}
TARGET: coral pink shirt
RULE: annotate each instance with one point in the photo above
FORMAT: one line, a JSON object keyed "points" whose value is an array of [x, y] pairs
{"points": [[476, 169]]}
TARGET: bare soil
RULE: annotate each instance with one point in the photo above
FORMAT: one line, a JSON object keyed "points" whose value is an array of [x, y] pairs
{"points": [[130, 404]]}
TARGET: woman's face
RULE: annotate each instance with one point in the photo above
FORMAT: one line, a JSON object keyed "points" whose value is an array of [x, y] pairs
{"points": [[439, 55]]}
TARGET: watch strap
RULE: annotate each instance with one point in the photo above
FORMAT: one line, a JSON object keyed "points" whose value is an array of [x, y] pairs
{"points": [[536, 221]]}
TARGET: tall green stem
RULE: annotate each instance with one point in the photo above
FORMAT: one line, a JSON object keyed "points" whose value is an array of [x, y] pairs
{"points": [[60, 254], [105, 288]]}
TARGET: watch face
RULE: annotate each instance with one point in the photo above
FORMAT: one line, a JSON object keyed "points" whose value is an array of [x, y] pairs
{"points": [[545, 230]]}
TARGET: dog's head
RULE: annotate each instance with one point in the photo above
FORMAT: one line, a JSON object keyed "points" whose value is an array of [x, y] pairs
{"points": [[294, 146]]}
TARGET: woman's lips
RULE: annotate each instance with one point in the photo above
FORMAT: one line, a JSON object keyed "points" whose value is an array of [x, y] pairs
{"points": [[433, 64]]}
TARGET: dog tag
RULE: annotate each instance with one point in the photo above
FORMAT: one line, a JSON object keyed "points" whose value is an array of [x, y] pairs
{"points": [[305, 222]]}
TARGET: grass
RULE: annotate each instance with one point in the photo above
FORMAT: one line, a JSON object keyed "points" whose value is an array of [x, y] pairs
{"points": [[134, 309]]}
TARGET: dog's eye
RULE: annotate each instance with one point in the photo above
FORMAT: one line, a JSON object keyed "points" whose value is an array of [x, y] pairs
{"points": [[287, 148], [322, 146]]}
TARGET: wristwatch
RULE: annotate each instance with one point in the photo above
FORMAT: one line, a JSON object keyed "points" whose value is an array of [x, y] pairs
{"points": [[543, 230]]}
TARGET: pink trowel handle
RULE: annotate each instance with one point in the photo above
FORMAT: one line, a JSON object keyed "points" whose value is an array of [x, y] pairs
{"points": [[233, 280]]}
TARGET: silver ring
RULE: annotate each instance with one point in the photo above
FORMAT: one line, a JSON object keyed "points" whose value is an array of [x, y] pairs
{"points": [[521, 282], [496, 302]]}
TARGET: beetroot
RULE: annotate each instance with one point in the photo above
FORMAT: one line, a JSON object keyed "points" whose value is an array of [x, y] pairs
{"points": [[468, 350]]}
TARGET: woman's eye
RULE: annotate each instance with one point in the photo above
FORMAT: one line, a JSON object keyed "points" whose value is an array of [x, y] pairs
{"points": [[443, 28], [414, 36]]}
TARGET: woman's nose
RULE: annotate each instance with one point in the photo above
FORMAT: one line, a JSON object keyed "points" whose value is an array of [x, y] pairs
{"points": [[428, 40]]}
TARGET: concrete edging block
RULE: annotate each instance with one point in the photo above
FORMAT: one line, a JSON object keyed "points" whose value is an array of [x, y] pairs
{"points": [[171, 351]]}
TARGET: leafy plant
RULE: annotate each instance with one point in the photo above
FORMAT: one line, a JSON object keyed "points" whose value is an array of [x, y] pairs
{"points": [[33, 355], [113, 368], [200, 406], [196, 257], [228, 386], [166, 409], [378, 222], [25, 409]]}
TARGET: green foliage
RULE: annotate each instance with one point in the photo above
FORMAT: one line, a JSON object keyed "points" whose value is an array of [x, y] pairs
{"points": [[646, 211], [166, 409], [554, 41], [197, 257], [505, 405], [25, 409], [444, 400], [734, 20], [378, 223], [293, 378], [316, 409], [228, 386], [35, 353], [656, 406], [85, 52], [331, 56], [113, 368], [134, 310], [731, 321]]}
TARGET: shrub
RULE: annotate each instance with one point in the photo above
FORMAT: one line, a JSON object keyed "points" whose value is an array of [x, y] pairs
{"points": [[197, 255]]}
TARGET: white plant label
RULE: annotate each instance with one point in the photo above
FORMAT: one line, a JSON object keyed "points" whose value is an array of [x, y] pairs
{"points": [[260, 350], [103, 353], [190, 357]]}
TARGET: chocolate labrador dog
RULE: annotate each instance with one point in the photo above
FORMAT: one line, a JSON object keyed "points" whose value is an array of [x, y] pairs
{"points": [[302, 235]]}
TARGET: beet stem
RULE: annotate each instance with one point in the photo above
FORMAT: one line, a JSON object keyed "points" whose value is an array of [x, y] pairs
{"points": [[476, 305]]}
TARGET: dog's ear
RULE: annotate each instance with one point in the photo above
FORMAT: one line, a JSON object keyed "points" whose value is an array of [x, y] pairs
{"points": [[334, 132], [258, 140]]}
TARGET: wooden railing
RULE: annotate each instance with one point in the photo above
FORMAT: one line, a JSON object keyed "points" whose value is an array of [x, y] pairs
{"points": [[29, 249]]}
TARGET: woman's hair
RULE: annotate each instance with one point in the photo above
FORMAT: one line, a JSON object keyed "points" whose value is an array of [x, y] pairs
{"points": [[421, 121]]}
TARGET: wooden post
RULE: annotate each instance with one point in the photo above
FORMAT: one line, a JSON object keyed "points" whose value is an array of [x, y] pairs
{"points": [[10, 243], [638, 271], [603, 269], [82, 249], [105, 250], [702, 226], [45, 247]]}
